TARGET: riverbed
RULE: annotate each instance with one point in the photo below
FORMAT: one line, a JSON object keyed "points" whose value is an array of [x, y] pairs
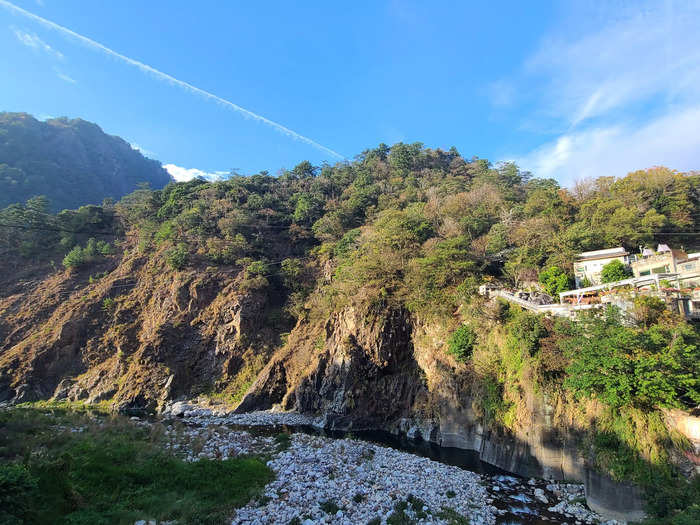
{"points": [[369, 477]]}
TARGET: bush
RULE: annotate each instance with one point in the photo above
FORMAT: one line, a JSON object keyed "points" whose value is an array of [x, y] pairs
{"points": [[177, 257], [329, 507], [108, 305], [461, 343], [554, 280], [17, 492], [658, 366], [256, 269], [92, 252], [648, 310], [104, 248], [614, 271], [74, 258]]}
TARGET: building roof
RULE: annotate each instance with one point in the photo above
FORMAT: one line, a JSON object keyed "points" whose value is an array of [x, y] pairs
{"points": [[663, 248], [602, 254]]}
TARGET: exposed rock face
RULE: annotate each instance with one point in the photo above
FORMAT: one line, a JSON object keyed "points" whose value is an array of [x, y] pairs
{"points": [[369, 374], [165, 335]]}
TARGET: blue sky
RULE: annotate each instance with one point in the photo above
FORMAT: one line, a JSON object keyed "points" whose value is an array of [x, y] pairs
{"points": [[566, 89]]}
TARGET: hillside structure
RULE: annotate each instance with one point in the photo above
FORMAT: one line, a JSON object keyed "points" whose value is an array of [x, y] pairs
{"points": [[663, 260], [669, 274], [588, 265]]}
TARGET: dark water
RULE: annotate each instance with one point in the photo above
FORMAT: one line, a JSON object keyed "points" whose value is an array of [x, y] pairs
{"points": [[510, 492]]}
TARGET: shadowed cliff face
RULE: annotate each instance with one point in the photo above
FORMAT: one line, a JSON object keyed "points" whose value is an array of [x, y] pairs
{"points": [[366, 374], [364, 370]]}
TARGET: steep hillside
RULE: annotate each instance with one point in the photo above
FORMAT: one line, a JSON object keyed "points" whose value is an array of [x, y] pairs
{"points": [[349, 292], [71, 162]]}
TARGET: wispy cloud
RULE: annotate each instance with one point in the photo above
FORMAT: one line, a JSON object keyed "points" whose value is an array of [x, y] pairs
{"points": [[671, 140], [144, 151], [181, 174], [65, 77], [33, 41], [622, 96], [653, 52], [170, 79], [501, 93]]}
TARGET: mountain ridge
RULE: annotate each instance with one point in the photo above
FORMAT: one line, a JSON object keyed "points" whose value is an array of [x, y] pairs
{"points": [[72, 162]]}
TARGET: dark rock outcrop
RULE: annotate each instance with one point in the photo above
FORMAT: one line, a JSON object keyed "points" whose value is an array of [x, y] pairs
{"points": [[370, 375]]}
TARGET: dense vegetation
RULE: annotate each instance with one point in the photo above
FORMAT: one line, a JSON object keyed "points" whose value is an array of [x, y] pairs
{"points": [[71, 161], [66, 467], [420, 229]]}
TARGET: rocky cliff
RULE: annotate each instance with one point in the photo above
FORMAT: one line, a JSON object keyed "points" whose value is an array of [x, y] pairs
{"points": [[137, 336], [365, 370]]}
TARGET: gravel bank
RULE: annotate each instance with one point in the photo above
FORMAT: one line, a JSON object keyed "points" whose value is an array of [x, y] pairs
{"points": [[344, 481], [348, 481]]}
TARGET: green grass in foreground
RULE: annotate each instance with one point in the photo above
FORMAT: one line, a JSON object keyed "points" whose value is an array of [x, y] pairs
{"points": [[111, 472]]}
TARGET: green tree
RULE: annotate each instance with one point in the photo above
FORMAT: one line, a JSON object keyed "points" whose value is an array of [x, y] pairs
{"points": [[658, 366], [177, 256], [461, 343], [74, 258], [555, 280], [615, 271]]}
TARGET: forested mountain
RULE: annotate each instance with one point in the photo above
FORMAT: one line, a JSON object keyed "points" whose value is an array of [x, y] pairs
{"points": [[71, 162], [349, 291]]}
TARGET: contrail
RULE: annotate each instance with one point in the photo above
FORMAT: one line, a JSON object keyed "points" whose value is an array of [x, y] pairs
{"points": [[164, 76]]}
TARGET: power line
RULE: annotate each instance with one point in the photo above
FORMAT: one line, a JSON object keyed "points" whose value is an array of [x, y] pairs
{"points": [[44, 228]]}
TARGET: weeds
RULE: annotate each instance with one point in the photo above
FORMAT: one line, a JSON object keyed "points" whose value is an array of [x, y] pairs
{"points": [[283, 440], [452, 517], [110, 472], [329, 507]]}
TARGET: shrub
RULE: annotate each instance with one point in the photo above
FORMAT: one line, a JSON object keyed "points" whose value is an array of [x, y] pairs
{"points": [[627, 366], [461, 343], [554, 280], [614, 271], [108, 305], [104, 248], [648, 310], [74, 258], [176, 257], [525, 330], [226, 251], [346, 244], [329, 506], [256, 269], [92, 252], [359, 497], [17, 492]]}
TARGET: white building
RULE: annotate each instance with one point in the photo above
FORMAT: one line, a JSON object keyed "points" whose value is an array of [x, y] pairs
{"points": [[588, 265]]}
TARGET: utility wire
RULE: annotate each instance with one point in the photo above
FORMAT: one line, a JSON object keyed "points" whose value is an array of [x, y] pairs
{"points": [[44, 228]]}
